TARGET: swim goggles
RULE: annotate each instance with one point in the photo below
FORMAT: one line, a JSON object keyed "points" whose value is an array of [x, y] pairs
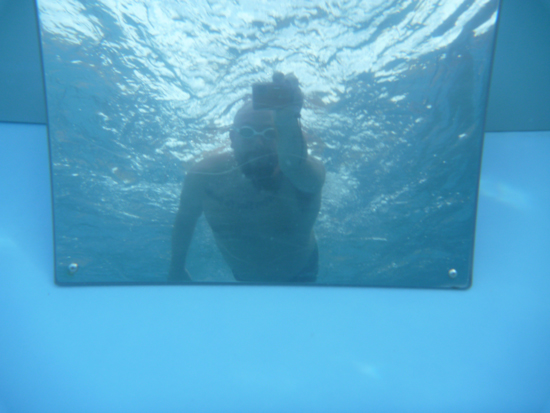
{"points": [[247, 132]]}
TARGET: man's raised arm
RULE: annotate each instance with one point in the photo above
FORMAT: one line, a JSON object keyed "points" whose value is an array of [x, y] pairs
{"points": [[190, 209], [305, 172]]}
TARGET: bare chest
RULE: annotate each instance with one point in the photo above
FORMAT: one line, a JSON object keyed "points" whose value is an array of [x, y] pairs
{"points": [[234, 205]]}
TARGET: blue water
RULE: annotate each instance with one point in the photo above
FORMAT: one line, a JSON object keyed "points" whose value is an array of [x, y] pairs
{"points": [[395, 98]]}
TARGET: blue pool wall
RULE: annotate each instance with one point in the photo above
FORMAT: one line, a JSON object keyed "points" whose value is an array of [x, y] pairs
{"points": [[285, 349]]}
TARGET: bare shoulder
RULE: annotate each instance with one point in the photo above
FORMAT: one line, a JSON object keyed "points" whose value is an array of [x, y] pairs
{"points": [[202, 173], [312, 178], [320, 168], [210, 168], [319, 165], [212, 165]]}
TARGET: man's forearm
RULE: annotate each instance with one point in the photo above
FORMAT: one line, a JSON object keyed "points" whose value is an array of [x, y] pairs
{"points": [[304, 172], [291, 146]]}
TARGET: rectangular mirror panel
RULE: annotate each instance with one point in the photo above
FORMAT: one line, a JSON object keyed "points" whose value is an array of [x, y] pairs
{"points": [[303, 142]]}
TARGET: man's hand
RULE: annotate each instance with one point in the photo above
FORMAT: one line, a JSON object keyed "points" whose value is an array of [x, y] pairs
{"points": [[291, 82]]}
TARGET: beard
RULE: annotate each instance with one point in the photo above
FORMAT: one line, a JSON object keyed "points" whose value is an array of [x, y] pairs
{"points": [[257, 165], [260, 168]]}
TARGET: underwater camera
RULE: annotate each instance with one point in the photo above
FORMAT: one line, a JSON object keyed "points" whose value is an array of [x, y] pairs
{"points": [[271, 95]]}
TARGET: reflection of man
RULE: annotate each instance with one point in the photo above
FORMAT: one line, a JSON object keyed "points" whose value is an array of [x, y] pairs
{"points": [[261, 200]]}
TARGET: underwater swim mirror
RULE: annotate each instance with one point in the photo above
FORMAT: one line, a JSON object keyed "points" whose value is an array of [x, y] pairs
{"points": [[290, 142]]}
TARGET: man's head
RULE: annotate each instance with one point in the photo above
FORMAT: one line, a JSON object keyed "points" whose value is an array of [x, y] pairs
{"points": [[254, 142]]}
